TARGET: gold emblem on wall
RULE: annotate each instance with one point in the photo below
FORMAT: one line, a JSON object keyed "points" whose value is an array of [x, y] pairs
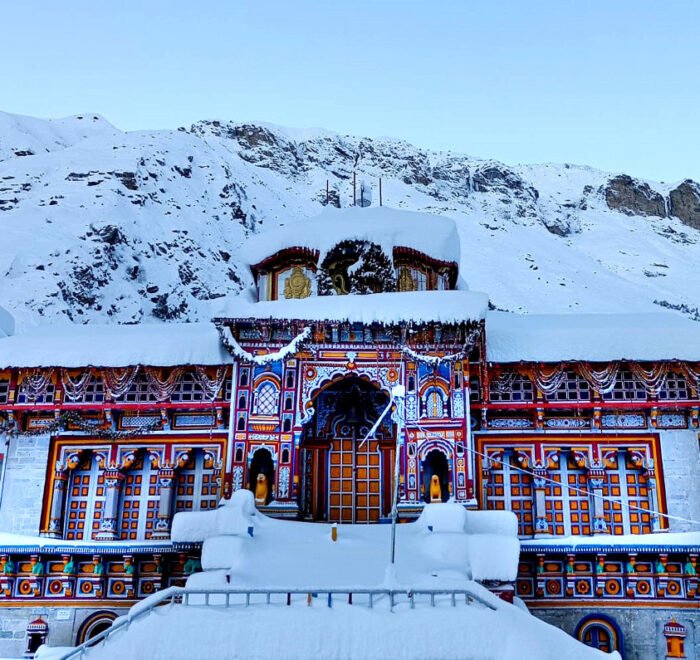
{"points": [[297, 285]]}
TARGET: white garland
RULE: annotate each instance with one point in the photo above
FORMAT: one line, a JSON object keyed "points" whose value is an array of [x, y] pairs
{"points": [[237, 351], [433, 359]]}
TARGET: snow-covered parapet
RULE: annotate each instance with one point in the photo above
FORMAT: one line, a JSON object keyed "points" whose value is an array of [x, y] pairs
{"points": [[485, 541], [232, 517]]}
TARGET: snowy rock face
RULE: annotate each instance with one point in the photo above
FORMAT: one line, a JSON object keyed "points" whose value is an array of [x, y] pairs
{"points": [[633, 197], [103, 225]]}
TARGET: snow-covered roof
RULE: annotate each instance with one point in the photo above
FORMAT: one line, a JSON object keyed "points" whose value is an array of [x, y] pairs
{"points": [[433, 235], [384, 308], [74, 346], [590, 337]]}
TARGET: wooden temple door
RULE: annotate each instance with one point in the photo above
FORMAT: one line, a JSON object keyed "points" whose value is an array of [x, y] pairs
{"points": [[354, 480]]}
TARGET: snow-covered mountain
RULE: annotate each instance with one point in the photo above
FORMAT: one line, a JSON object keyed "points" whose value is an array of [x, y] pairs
{"points": [[98, 224]]}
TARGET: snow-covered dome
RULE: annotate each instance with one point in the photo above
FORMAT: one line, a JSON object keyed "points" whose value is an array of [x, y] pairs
{"points": [[356, 250]]}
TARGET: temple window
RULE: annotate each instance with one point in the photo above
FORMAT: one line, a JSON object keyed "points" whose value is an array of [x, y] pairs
{"points": [[627, 388], [409, 278], [267, 400], [140, 391], [4, 391], [228, 387], [474, 389], [626, 483], [674, 388], [197, 483], [46, 394], [572, 388], [139, 504], [443, 281], [188, 389], [91, 392], [568, 504], [512, 387], [509, 489], [434, 405], [599, 632], [85, 499]]}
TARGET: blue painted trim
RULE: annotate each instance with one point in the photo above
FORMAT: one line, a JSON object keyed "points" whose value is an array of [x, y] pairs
{"points": [[611, 622], [527, 548], [98, 549]]}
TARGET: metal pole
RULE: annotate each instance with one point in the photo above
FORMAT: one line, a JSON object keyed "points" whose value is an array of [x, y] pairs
{"points": [[354, 188], [380, 191], [398, 394]]}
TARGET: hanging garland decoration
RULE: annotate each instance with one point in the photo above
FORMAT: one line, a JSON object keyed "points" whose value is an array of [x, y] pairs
{"points": [[72, 418], [654, 379], [75, 390], [210, 387], [35, 382], [504, 381], [435, 360], [690, 374], [549, 380], [162, 390], [118, 381], [602, 380], [237, 351]]}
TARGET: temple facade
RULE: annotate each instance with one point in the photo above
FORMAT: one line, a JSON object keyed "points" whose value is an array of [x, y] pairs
{"points": [[585, 426]]}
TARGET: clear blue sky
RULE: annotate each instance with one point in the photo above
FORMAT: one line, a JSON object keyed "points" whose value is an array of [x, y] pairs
{"points": [[610, 83]]}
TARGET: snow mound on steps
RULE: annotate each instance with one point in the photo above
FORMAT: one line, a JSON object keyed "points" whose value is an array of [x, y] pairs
{"points": [[447, 548]]}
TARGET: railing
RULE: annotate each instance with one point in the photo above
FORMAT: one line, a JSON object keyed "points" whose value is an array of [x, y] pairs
{"points": [[237, 597]]}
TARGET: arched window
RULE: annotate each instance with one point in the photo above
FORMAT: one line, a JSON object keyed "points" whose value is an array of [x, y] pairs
{"points": [[94, 625], [434, 405], [139, 503], [85, 498], [600, 632], [197, 483], [267, 399]]}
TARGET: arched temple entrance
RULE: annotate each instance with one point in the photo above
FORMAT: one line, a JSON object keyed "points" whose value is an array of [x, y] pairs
{"points": [[346, 480]]}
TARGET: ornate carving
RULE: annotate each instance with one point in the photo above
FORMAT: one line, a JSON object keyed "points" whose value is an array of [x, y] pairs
{"points": [[297, 285]]}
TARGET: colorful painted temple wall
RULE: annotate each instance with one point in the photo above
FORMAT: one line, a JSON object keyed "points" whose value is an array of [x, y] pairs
{"points": [[97, 461]]}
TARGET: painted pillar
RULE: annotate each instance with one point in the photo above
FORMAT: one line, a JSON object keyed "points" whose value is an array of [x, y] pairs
{"points": [[58, 493], [110, 513], [596, 481], [539, 476], [164, 518]]}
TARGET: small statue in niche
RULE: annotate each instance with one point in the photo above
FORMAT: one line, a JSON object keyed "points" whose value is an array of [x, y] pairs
{"points": [[297, 285], [435, 490], [261, 489]]}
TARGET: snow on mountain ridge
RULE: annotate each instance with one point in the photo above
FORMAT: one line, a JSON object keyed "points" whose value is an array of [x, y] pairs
{"points": [[100, 224]]}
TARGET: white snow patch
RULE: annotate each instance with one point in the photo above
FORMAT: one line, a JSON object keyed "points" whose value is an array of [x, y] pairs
{"points": [[383, 308], [430, 234], [590, 337]]}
